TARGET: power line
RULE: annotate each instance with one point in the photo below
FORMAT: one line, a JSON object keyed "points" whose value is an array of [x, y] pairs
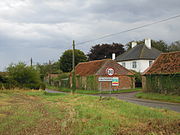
{"points": [[135, 28]]}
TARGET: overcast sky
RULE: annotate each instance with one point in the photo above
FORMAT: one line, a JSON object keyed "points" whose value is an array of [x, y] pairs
{"points": [[44, 29]]}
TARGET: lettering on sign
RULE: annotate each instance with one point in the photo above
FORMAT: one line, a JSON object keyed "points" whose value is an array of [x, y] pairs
{"points": [[110, 71], [105, 79]]}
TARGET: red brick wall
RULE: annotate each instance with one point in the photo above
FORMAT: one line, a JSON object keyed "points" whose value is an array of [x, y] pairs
{"points": [[125, 82]]}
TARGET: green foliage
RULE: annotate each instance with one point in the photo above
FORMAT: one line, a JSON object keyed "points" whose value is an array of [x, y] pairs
{"points": [[164, 84], [104, 51], [91, 83], [175, 46], [43, 86], [138, 78], [25, 76], [6, 82], [160, 45], [66, 59], [48, 68]]}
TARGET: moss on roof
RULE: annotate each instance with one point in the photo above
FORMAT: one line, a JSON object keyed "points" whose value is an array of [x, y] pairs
{"points": [[166, 63]]}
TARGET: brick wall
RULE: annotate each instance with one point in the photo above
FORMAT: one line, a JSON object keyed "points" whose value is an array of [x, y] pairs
{"points": [[125, 82]]}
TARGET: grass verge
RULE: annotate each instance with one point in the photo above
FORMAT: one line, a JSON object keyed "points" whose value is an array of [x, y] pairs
{"points": [[37, 112], [93, 91], [160, 97]]}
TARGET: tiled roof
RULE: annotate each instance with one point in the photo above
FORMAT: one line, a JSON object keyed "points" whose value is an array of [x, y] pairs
{"points": [[98, 67], [3, 73], [166, 63], [139, 52], [89, 68]]}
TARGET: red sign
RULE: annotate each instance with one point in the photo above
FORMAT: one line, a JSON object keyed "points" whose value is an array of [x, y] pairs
{"points": [[110, 71]]}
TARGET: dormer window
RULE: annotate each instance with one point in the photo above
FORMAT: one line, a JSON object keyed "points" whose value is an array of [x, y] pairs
{"points": [[124, 64], [150, 62], [134, 64]]}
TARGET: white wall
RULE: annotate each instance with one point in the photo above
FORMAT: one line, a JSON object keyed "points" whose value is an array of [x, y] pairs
{"points": [[142, 65]]}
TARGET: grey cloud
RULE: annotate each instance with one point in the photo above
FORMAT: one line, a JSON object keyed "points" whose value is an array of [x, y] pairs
{"points": [[45, 28]]}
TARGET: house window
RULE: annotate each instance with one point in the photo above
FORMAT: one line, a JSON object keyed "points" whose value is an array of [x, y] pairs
{"points": [[134, 64], [124, 64], [150, 62]]}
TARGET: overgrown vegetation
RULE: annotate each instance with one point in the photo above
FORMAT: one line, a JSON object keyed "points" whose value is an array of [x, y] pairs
{"points": [[68, 114], [161, 97], [164, 84], [21, 76]]}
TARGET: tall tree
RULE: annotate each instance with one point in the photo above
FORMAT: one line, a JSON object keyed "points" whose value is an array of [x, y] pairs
{"points": [[160, 45], [103, 51], [175, 46], [66, 59], [47, 68]]}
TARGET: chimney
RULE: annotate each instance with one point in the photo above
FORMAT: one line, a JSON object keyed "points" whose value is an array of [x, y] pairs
{"points": [[133, 44], [148, 43], [113, 56]]}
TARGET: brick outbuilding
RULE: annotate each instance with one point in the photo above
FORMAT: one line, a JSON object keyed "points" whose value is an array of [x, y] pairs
{"points": [[93, 75], [163, 76]]}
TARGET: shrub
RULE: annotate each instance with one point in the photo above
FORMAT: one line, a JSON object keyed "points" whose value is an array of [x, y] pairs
{"points": [[24, 76], [43, 86]]}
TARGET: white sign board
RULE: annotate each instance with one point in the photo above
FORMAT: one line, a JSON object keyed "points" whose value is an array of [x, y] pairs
{"points": [[105, 79]]}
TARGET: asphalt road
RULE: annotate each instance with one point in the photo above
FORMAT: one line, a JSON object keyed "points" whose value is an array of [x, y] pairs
{"points": [[130, 97]]}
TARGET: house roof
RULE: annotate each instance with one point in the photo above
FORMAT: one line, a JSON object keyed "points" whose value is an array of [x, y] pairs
{"points": [[166, 63], [98, 67], [3, 73], [139, 52]]}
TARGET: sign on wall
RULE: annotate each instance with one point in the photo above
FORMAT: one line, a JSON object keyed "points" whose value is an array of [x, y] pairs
{"points": [[115, 81], [105, 79], [110, 71]]}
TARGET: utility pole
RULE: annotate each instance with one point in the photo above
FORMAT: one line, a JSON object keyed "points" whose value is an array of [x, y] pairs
{"points": [[31, 62], [73, 66]]}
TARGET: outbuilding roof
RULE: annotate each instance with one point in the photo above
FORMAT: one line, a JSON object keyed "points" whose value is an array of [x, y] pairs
{"points": [[98, 67], [139, 52], [166, 63]]}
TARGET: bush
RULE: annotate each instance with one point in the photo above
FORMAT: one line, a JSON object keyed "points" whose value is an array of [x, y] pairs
{"points": [[138, 79], [43, 86], [24, 76]]}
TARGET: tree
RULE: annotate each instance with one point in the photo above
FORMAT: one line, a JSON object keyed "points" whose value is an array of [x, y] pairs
{"points": [[175, 46], [104, 51], [47, 68], [25, 76], [66, 59], [160, 45]]}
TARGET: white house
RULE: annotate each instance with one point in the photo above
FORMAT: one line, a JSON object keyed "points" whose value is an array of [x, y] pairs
{"points": [[139, 57]]}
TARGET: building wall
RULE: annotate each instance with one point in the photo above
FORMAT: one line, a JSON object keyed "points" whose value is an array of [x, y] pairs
{"points": [[141, 65], [125, 82], [165, 84], [92, 83]]}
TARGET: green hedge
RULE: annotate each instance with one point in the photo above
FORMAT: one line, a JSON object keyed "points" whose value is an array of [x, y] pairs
{"points": [[165, 84]]}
